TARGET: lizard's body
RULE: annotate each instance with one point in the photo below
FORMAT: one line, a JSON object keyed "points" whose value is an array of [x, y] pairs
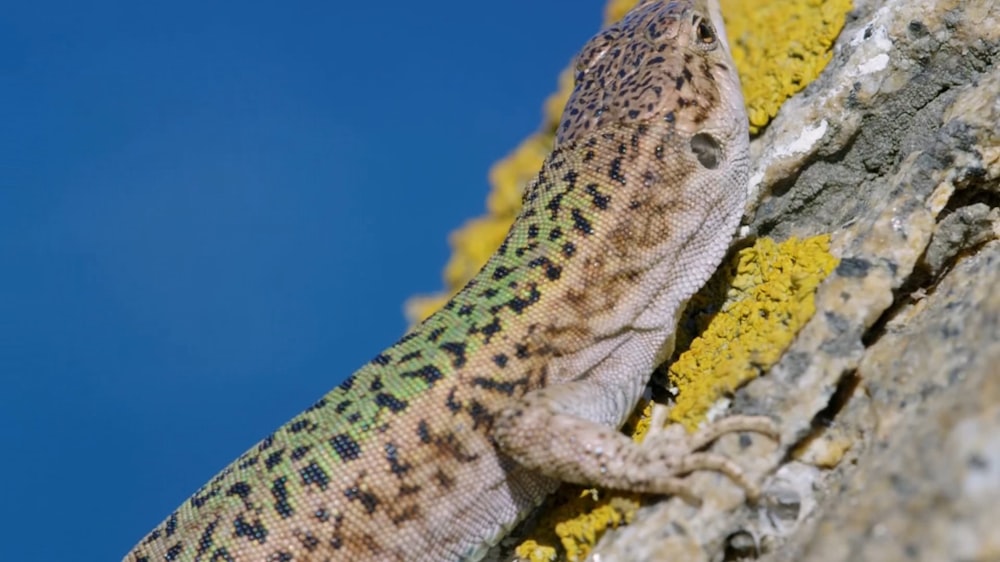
{"points": [[449, 437]]}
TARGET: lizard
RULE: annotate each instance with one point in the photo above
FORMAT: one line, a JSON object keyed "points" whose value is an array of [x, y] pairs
{"points": [[440, 444]]}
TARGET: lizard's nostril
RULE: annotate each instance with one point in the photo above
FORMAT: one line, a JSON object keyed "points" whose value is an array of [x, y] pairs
{"points": [[707, 150]]}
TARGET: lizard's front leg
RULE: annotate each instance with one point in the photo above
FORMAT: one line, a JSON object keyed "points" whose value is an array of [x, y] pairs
{"points": [[549, 431]]}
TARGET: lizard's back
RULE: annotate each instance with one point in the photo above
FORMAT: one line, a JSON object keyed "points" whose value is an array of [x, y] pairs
{"points": [[399, 461]]}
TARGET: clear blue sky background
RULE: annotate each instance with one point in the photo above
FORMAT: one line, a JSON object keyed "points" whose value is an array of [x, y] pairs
{"points": [[211, 213]]}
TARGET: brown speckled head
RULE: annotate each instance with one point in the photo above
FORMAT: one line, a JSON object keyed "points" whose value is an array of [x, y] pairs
{"points": [[661, 55]]}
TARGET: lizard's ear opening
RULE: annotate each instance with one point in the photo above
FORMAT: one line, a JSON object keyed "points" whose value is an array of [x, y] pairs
{"points": [[707, 150]]}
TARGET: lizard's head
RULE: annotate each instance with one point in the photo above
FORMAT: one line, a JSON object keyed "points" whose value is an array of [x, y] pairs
{"points": [[664, 63]]}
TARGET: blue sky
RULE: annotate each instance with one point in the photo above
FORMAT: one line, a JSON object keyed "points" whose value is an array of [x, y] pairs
{"points": [[210, 215]]}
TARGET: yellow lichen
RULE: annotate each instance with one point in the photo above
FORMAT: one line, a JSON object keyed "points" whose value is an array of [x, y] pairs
{"points": [[779, 47], [575, 520], [534, 552], [579, 534], [638, 423], [769, 296]]}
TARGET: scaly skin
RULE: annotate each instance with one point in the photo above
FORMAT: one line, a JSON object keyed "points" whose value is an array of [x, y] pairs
{"points": [[440, 444]]}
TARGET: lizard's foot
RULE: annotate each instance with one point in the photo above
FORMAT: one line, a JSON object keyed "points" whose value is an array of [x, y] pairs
{"points": [[548, 431], [678, 450]]}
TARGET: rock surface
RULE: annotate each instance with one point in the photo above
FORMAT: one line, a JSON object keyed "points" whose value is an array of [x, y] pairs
{"points": [[889, 399]]}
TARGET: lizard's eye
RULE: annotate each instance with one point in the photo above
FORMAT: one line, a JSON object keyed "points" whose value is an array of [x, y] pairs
{"points": [[704, 33]]}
